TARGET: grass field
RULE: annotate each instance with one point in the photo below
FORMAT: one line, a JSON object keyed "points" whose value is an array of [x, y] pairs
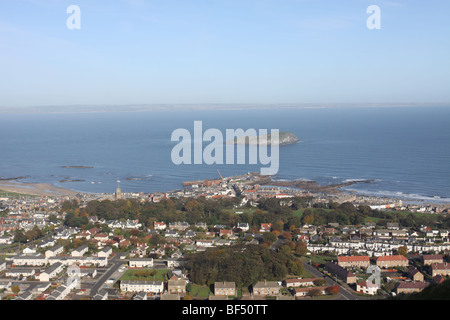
{"points": [[132, 274], [7, 194], [198, 291]]}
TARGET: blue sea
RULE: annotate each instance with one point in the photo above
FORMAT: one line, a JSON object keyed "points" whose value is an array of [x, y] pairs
{"points": [[405, 150]]}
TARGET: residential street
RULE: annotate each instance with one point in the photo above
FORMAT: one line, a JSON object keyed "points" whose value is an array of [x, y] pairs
{"points": [[345, 292]]}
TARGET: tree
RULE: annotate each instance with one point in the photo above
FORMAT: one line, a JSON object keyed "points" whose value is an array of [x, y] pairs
{"points": [[319, 282], [314, 292], [20, 237], [269, 237], [403, 251], [15, 289], [301, 248], [333, 290]]}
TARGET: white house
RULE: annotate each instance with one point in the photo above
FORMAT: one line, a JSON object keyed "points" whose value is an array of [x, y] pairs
{"points": [[141, 263], [105, 252], [79, 252], [52, 252], [367, 287], [51, 272], [156, 287], [33, 261]]}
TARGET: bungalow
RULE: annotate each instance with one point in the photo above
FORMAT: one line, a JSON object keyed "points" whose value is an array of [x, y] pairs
{"points": [[205, 243], [306, 282], [266, 288], [190, 234], [354, 261], [302, 292], [367, 287], [176, 255], [224, 289], [399, 233], [156, 287], [382, 233], [225, 233], [141, 263], [19, 272], [392, 261], [101, 237], [243, 226], [171, 233], [178, 226], [392, 225], [159, 225], [29, 250], [30, 260], [82, 272], [6, 239], [265, 227], [411, 287], [83, 234]]}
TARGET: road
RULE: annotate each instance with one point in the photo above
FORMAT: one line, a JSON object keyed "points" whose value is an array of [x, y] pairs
{"points": [[345, 293], [113, 265]]}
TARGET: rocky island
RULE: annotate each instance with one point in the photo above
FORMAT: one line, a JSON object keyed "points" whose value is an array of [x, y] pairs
{"points": [[285, 138]]}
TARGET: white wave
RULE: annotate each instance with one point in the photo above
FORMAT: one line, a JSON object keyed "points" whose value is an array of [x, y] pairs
{"points": [[356, 180], [400, 195]]}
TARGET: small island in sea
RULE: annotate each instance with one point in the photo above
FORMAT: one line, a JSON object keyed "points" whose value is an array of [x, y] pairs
{"points": [[285, 138]]}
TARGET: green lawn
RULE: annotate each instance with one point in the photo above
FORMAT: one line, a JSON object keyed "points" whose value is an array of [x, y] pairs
{"points": [[320, 259], [198, 291], [6, 194], [132, 274]]}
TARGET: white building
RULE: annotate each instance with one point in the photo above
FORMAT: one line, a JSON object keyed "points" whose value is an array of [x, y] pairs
{"points": [[79, 252], [156, 287], [51, 272], [52, 252], [141, 263]]}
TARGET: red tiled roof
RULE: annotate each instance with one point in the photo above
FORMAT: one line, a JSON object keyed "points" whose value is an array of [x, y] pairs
{"points": [[391, 258], [353, 258]]}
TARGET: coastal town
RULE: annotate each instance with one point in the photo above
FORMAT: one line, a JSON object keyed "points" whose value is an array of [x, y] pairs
{"points": [[54, 248]]}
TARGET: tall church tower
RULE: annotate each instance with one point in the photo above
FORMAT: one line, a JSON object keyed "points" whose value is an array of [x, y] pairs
{"points": [[118, 191]]}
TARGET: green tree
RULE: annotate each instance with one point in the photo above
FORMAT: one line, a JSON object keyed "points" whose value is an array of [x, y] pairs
{"points": [[20, 237]]}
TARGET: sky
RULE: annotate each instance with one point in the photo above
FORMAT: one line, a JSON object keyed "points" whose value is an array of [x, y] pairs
{"points": [[223, 51]]}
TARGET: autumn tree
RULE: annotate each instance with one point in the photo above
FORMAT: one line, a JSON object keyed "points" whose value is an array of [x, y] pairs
{"points": [[403, 251]]}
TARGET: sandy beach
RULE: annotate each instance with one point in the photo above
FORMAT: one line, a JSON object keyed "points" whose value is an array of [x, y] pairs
{"points": [[36, 189]]}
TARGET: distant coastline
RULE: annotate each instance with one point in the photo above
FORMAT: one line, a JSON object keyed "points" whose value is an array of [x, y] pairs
{"points": [[201, 107]]}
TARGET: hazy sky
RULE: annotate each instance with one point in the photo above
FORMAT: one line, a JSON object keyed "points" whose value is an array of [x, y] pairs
{"points": [[223, 51]]}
